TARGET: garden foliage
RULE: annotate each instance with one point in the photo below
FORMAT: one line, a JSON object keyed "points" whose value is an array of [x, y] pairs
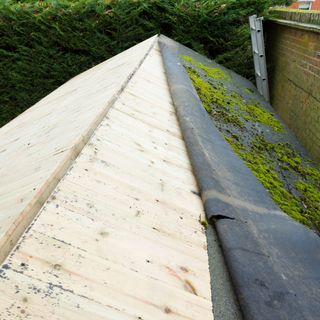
{"points": [[45, 43]]}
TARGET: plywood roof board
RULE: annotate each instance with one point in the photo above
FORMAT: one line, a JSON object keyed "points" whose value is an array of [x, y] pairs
{"points": [[119, 237]]}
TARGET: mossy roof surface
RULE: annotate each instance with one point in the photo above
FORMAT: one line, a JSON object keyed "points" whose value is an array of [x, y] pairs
{"points": [[259, 137]]}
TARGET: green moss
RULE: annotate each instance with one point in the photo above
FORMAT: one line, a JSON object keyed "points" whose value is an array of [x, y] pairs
{"points": [[203, 221], [215, 73], [258, 114], [264, 170], [215, 100], [266, 174], [306, 207], [235, 144], [285, 154], [231, 100], [271, 163], [310, 197], [253, 111], [313, 173], [289, 159], [189, 59], [204, 90], [231, 106]]}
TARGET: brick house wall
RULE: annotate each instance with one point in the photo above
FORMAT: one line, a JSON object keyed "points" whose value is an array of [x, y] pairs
{"points": [[314, 6], [293, 57]]}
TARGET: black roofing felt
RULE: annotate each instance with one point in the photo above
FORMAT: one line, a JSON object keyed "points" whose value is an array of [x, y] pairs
{"points": [[274, 261]]}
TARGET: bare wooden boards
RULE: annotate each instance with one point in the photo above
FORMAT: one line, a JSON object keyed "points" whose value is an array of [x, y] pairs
{"points": [[120, 236], [37, 147]]}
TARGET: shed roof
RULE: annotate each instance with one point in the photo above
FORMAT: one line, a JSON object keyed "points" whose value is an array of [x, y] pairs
{"points": [[118, 237], [104, 186]]}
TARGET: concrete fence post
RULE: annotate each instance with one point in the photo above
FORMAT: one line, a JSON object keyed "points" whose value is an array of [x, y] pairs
{"points": [[259, 56]]}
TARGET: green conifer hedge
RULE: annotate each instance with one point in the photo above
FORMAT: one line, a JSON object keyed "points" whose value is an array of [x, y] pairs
{"points": [[45, 43]]}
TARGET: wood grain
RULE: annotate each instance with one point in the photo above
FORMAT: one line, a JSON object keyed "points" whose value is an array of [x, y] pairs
{"points": [[37, 148], [120, 236]]}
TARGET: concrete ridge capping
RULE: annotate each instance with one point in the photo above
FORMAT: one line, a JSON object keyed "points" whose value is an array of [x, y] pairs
{"points": [[273, 261], [24, 218]]}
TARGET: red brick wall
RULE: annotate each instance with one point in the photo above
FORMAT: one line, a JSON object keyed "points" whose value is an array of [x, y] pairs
{"points": [[315, 5], [294, 80]]}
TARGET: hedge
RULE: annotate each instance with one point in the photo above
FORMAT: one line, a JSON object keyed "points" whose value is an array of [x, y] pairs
{"points": [[45, 43]]}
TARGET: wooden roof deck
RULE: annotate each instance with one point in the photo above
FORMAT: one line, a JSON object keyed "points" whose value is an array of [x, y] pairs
{"points": [[37, 147], [119, 237]]}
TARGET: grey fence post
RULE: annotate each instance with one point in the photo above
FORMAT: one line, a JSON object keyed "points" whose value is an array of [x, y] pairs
{"points": [[259, 56]]}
